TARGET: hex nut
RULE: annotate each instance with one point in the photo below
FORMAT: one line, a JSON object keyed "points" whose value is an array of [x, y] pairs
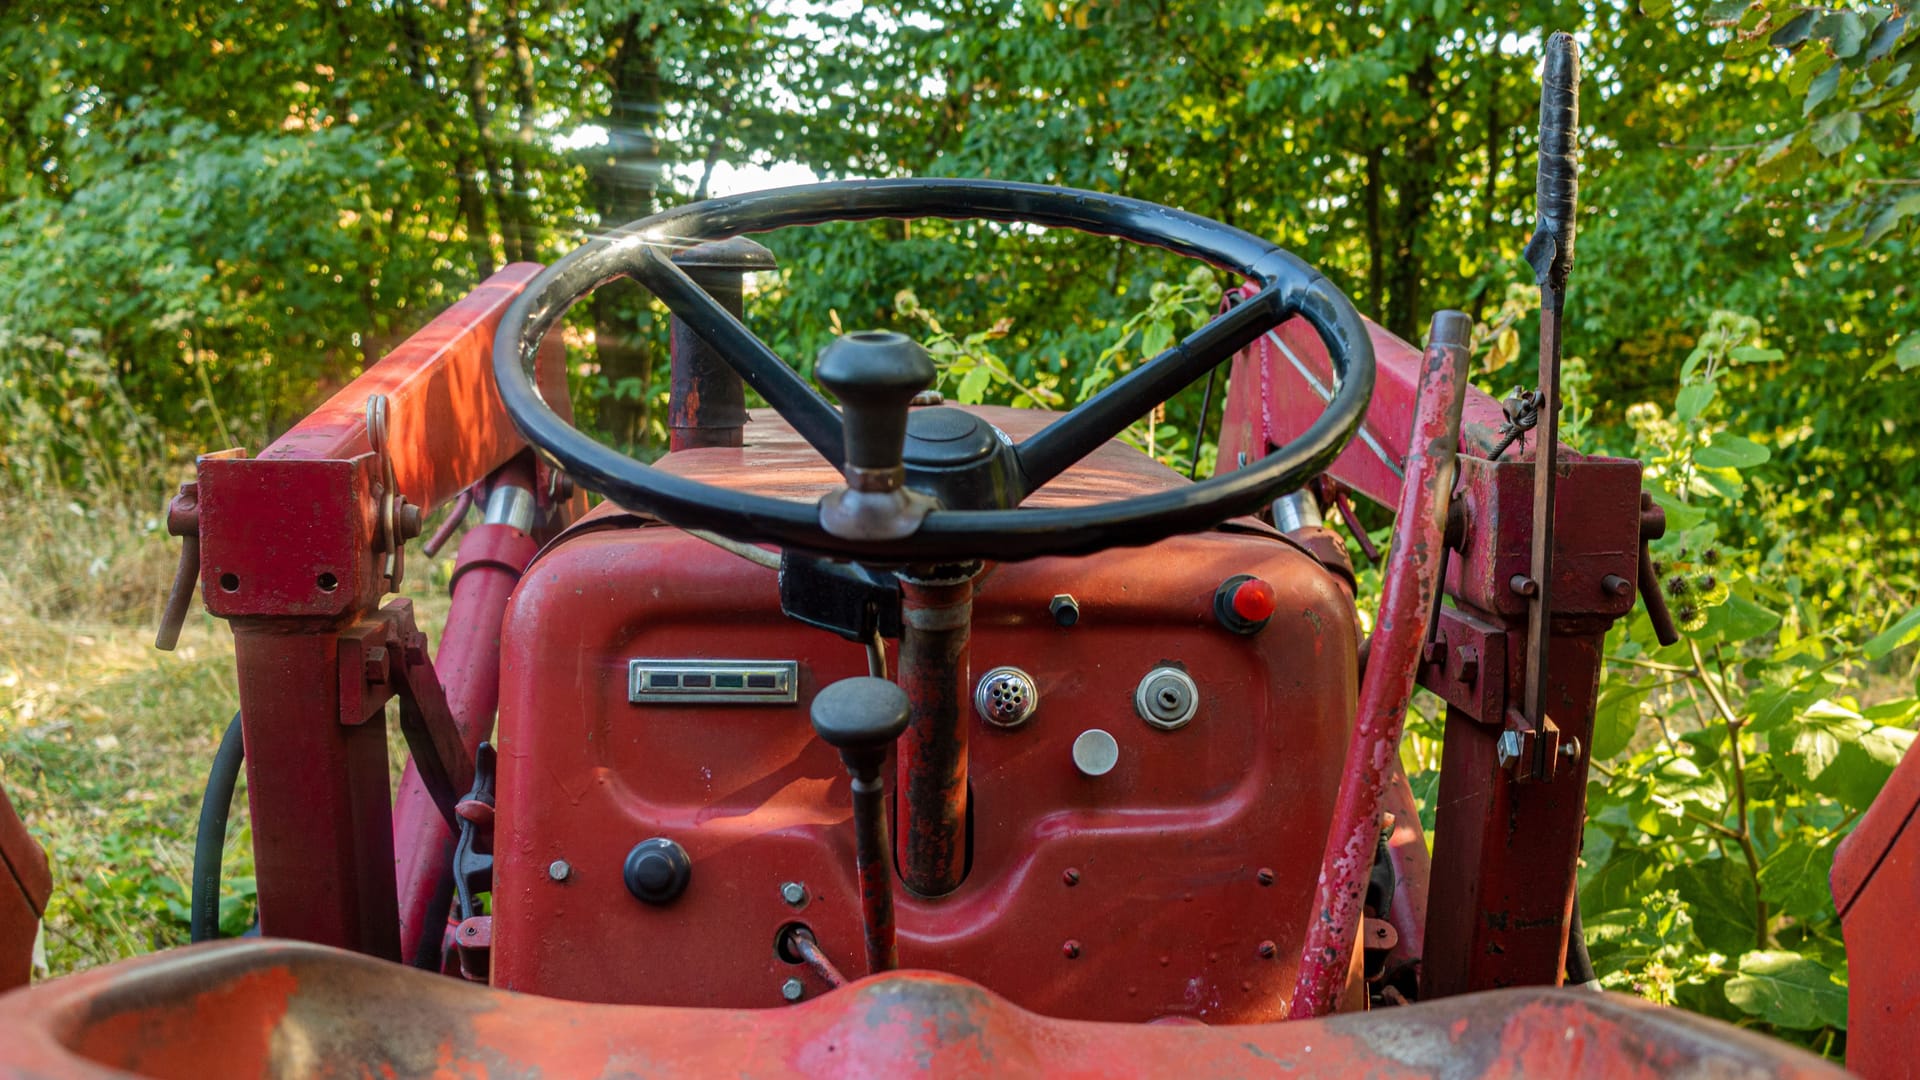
{"points": [[1065, 609], [793, 990], [1508, 749], [794, 893]]}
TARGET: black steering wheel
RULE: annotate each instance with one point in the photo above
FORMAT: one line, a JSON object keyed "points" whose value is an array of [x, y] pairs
{"points": [[877, 518]]}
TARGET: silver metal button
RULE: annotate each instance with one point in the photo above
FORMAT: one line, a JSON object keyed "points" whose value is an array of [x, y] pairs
{"points": [[1095, 752]]}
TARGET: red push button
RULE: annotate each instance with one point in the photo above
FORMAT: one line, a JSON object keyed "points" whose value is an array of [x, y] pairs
{"points": [[1244, 603], [1253, 601]]}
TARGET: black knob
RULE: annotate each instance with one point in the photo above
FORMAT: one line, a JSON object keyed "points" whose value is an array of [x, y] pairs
{"points": [[875, 374], [657, 870], [861, 717]]}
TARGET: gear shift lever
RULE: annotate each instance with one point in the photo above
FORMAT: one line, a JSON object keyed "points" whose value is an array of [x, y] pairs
{"points": [[861, 718], [875, 374]]}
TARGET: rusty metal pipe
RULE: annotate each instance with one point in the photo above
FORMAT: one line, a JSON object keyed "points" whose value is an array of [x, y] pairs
{"points": [[706, 402], [804, 943], [1407, 597], [936, 613], [875, 867]]}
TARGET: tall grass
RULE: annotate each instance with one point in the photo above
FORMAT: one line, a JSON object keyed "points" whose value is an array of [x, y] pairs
{"points": [[103, 740]]}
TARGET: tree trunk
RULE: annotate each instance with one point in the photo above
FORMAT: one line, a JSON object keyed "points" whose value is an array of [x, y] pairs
{"points": [[1404, 301], [1376, 242], [625, 180]]}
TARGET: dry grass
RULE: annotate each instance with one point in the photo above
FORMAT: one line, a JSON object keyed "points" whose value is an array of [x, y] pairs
{"points": [[104, 741]]}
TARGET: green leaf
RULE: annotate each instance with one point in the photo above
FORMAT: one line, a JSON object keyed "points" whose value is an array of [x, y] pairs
{"points": [[1155, 339], [1836, 133], [1884, 38], [1902, 632], [1755, 354], [1616, 718], [1788, 990], [1794, 878], [1737, 620], [973, 388], [1680, 516], [1719, 895], [1722, 12], [1906, 354], [1692, 401], [1680, 780], [1838, 753], [1794, 32], [1731, 452], [1844, 31], [1820, 90]]}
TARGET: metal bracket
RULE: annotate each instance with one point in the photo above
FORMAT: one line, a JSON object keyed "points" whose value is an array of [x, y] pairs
{"points": [[1466, 665], [385, 657]]}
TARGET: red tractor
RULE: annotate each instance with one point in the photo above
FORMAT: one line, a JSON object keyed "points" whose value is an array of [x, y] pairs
{"points": [[911, 736]]}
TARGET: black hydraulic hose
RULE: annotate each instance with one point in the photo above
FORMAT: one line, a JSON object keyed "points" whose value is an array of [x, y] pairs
{"points": [[209, 844], [1579, 964]]}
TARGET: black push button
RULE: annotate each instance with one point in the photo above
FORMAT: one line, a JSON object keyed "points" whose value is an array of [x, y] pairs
{"points": [[657, 871]]}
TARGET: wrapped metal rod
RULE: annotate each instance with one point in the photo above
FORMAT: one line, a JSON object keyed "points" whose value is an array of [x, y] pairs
{"points": [[1550, 252]]}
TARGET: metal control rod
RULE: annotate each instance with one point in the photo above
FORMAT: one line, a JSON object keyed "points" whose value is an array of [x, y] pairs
{"points": [[1550, 252]]}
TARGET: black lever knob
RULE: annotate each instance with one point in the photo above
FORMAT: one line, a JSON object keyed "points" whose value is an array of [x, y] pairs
{"points": [[861, 718], [875, 374]]}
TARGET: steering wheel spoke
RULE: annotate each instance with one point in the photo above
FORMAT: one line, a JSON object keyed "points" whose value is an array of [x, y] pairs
{"points": [[1051, 450], [754, 360]]}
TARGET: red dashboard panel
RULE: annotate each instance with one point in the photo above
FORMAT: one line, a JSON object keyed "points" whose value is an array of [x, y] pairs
{"points": [[1178, 884]]}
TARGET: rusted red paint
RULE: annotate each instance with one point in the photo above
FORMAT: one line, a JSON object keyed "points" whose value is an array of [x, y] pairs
{"points": [[26, 882], [289, 558], [448, 427], [1408, 593], [1504, 852], [931, 778], [1412, 871], [1168, 905], [489, 564], [286, 1009], [1875, 879], [1269, 401]]}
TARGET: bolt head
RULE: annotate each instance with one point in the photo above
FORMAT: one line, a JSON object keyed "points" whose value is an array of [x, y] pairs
{"points": [[1065, 609], [794, 893], [1268, 950], [559, 870], [1264, 876], [1469, 663], [793, 990], [1070, 876], [1071, 949]]}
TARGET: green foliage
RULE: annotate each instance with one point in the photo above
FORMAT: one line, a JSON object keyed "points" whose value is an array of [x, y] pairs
{"points": [[211, 216], [1728, 766]]}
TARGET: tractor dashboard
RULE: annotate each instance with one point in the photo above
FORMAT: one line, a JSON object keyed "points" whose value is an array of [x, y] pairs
{"points": [[1150, 772]]}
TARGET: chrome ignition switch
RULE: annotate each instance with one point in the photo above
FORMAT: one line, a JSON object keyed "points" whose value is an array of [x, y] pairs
{"points": [[1167, 698], [1006, 697]]}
